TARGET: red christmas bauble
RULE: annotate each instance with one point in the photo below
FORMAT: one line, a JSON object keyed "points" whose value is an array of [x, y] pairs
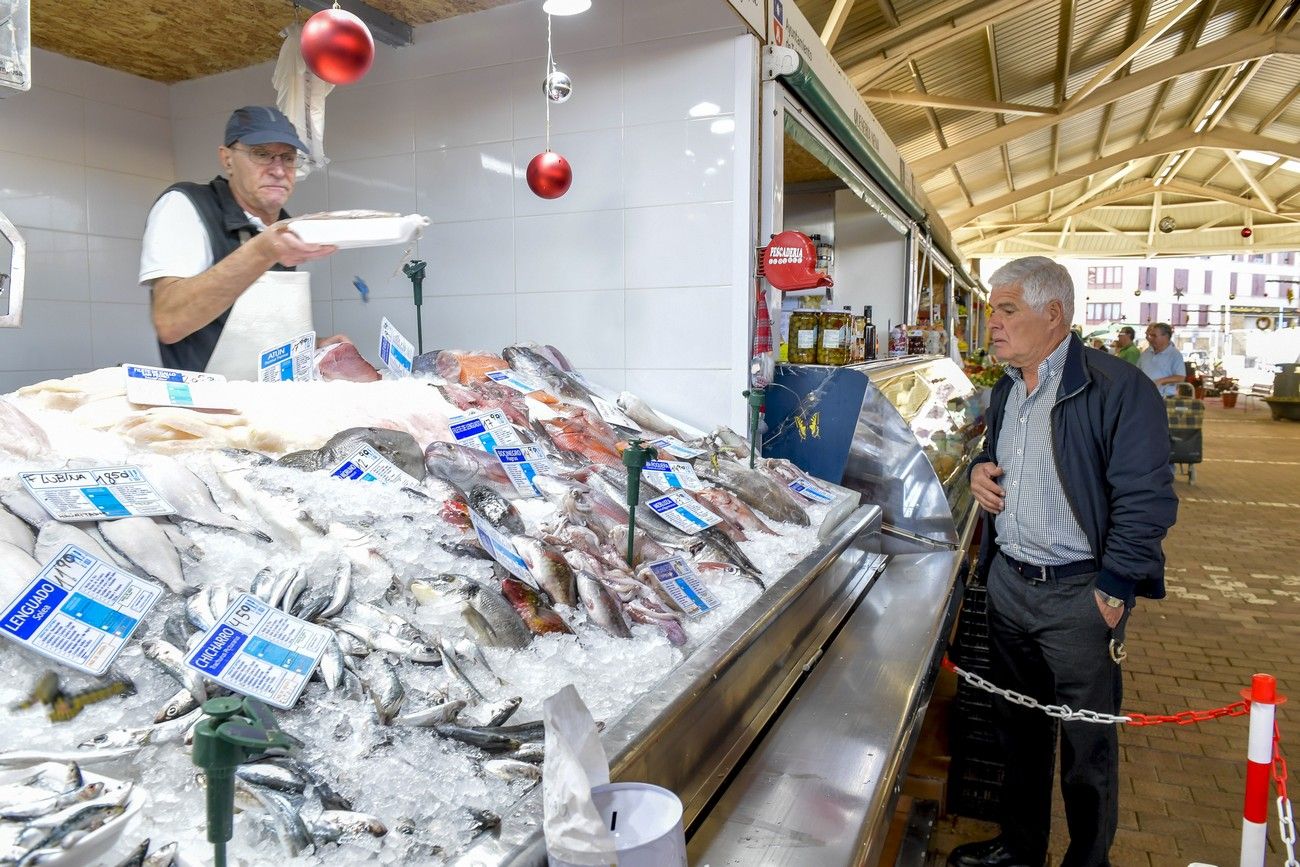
{"points": [[337, 46], [549, 175], [1246, 232]]}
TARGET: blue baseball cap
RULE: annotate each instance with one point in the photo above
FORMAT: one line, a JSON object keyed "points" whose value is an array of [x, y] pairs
{"points": [[261, 124]]}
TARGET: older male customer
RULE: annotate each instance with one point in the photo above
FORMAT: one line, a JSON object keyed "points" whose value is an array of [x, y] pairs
{"points": [[1161, 361], [1077, 496], [1125, 347]]}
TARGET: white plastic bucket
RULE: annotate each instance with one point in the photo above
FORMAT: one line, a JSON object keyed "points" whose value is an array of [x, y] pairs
{"points": [[646, 822]]}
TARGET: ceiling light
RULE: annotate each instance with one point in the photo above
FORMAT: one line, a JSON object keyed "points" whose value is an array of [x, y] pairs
{"points": [[565, 7]]}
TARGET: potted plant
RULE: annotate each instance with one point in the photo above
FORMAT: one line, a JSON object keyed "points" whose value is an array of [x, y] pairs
{"points": [[1227, 388]]}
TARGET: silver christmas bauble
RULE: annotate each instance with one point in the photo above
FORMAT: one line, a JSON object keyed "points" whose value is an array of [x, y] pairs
{"points": [[1167, 224], [557, 86]]}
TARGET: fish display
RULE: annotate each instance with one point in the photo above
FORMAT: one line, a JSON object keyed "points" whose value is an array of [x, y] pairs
{"points": [[342, 361], [420, 723]]}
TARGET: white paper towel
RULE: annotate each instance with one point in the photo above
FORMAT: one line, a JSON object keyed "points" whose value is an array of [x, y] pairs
{"points": [[575, 761]]}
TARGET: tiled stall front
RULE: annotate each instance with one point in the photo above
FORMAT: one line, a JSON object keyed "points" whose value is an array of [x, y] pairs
{"points": [[83, 154], [639, 273]]}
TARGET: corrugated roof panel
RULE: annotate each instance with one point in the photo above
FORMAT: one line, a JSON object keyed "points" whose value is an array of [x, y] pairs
{"points": [[1026, 47], [1101, 31], [1230, 16], [957, 73]]}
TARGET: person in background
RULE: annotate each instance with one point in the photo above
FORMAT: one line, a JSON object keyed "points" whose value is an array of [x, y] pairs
{"points": [[1077, 495], [219, 258], [1098, 343], [1125, 345], [1161, 361]]}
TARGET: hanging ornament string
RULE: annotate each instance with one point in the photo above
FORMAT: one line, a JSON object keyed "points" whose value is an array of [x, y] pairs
{"points": [[550, 70], [549, 174]]}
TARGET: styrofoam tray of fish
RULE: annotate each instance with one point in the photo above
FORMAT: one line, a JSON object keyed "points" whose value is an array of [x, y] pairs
{"points": [[421, 721], [65, 816], [349, 229]]}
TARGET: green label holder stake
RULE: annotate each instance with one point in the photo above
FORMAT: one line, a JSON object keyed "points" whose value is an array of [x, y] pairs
{"points": [[414, 271], [756, 398], [635, 457], [234, 730]]}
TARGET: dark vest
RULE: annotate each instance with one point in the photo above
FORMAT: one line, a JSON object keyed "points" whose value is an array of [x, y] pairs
{"points": [[224, 221]]}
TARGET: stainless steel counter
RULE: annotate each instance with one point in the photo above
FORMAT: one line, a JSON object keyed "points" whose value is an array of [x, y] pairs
{"points": [[690, 733], [821, 786]]}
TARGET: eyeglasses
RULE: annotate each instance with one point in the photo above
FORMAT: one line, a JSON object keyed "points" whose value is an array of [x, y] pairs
{"points": [[264, 157]]}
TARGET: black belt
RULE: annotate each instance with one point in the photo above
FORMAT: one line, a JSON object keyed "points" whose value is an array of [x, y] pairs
{"points": [[1048, 573]]}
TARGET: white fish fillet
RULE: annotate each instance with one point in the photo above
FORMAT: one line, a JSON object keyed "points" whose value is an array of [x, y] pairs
{"points": [[16, 532], [16, 568], [19, 435], [146, 546]]}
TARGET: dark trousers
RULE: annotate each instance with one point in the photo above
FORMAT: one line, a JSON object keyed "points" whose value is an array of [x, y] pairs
{"points": [[1050, 642]]}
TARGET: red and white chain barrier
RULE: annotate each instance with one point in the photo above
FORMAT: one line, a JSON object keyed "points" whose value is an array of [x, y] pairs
{"points": [[1264, 754]]}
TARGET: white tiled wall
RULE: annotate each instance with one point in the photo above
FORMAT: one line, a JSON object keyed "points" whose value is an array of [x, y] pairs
{"points": [[639, 273], [634, 273], [82, 157]]}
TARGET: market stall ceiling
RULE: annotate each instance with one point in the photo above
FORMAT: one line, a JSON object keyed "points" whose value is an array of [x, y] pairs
{"points": [[1074, 127], [171, 41], [801, 167]]}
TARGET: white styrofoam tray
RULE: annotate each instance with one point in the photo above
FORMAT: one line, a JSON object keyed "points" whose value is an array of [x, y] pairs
{"points": [[348, 229], [90, 848]]}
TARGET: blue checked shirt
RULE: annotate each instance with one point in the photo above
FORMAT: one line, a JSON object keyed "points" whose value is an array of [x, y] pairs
{"points": [[1036, 524]]}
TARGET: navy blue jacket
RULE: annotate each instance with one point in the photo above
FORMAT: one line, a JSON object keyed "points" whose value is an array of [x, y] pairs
{"points": [[1110, 439]]}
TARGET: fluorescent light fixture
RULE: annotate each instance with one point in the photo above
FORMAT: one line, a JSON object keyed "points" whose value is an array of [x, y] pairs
{"points": [[565, 7], [704, 109]]}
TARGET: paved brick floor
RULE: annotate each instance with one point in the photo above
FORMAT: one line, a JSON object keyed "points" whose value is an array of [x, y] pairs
{"points": [[1233, 609]]}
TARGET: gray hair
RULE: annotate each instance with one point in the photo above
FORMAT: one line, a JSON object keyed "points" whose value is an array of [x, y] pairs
{"points": [[1041, 280], [1163, 328]]}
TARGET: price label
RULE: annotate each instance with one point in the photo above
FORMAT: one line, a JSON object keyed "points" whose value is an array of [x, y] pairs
{"points": [[683, 512], [667, 475], [811, 492], [96, 494], [161, 386], [83, 627], [395, 351], [522, 464], [367, 465], [676, 448], [288, 362], [520, 382], [487, 429], [500, 548], [260, 652], [683, 585], [612, 414]]}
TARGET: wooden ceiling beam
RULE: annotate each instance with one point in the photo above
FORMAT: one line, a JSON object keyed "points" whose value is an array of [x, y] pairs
{"points": [[876, 64], [887, 9], [835, 23], [1108, 228], [1232, 49], [1249, 177], [933, 16], [1129, 191], [1155, 218], [1191, 41], [991, 44], [1265, 122], [1151, 34], [1174, 142], [1187, 188], [1064, 37], [961, 103]]}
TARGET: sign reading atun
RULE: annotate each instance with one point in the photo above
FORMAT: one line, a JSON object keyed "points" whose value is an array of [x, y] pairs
{"points": [[260, 652], [86, 627], [288, 362], [96, 494]]}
